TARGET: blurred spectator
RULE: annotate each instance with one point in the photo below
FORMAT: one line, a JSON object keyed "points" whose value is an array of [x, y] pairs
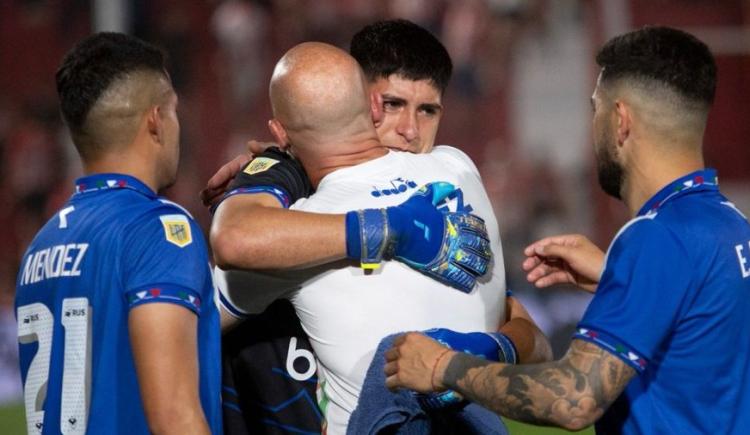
{"points": [[240, 28], [10, 378], [464, 24]]}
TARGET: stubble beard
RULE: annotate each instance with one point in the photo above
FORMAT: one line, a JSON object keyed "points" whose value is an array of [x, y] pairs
{"points": [[610, 173]]}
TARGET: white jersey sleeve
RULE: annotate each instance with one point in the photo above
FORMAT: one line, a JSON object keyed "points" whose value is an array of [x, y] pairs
{"points": [[243, 292], [458, 157]]}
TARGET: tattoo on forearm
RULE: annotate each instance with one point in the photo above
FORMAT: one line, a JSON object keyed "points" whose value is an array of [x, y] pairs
{"points": [[572, 392]]}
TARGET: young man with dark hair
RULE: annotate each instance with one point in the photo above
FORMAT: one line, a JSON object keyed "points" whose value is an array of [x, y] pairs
{"points": [[118, 330], [410, 69], [403, 48], [664, 346]]}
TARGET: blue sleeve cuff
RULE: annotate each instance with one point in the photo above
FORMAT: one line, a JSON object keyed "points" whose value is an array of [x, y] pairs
{"points": [[367, 235], [168, 293], [281, 195], [353, 237], [614, 346], [507, 352]]}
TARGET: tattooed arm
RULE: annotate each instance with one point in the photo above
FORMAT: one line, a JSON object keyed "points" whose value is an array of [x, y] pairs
{"points": [[572, 392]]}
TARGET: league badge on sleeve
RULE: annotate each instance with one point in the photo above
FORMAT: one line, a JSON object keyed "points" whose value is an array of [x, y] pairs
{"points": [[177, 229], [259, 164]]}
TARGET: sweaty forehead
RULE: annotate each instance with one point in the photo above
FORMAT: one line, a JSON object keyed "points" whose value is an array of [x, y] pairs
{"points": [[414, 91]]}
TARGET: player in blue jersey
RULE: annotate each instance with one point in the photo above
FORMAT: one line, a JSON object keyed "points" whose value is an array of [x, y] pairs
{"points": [[664, 346], [118, 328]]}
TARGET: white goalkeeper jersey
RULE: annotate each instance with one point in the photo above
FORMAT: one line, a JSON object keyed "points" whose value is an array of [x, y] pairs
{"points": [[345, 310]]}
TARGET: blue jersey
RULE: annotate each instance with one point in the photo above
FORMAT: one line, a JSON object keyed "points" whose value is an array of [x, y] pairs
{"points": [[673, 302], [114, 246]]}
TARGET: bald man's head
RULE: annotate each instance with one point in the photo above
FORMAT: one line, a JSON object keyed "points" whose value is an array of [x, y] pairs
{"points": [[318, 93]]}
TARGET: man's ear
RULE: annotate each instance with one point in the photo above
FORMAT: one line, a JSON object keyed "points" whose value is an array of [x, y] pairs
{"points": [[154, 124], [376, 108], [624, 121], [279, 134]]}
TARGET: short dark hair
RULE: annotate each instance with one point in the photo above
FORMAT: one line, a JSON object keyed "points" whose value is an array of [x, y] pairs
{"points": [[403, 48], [665, 55], [94, 64]]}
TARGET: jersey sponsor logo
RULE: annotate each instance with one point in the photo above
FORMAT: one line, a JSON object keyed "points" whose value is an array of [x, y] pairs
{"points": [[260, 164], [54, 262], [177, 229], [397, 185], [455, 203]]}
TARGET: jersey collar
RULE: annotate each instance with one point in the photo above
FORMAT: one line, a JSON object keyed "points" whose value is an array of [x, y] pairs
{"points": [[97, 182], [697, 181]]}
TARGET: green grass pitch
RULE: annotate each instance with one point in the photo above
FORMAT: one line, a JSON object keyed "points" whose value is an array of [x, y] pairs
{"points": [[12, 422]]}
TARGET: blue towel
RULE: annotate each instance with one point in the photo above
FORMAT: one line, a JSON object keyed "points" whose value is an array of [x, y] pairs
{"points": [[399, 412]]}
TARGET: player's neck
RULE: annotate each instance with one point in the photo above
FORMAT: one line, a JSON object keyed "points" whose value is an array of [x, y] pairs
{"points": [[350, 154], [646, 177], [119, 164]]}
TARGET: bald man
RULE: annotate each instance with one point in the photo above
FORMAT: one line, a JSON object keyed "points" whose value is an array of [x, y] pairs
{"points": [[323, 116]]}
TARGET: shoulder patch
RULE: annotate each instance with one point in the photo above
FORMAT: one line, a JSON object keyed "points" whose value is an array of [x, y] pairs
{"points": [[259, 164], [177, 229]]}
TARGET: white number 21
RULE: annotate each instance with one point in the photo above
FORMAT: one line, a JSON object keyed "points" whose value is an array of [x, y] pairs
{"points": [[35, 324]]}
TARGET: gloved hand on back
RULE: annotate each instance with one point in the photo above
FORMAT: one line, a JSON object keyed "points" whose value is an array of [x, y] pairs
{"points": [[451, 247]]}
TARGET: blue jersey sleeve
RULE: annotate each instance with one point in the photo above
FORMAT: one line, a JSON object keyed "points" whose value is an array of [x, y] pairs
{"points": [[645, 281], [165, 260]]}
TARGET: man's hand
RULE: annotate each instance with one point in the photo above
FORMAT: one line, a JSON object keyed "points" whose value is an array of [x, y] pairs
{"points": [[492, 346], [452, 248], [567, 259], [414, 362], [217, 184]]}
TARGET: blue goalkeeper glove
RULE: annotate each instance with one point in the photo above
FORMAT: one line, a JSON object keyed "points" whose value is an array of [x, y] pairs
{"points": [[492, 346], [451, 247]]}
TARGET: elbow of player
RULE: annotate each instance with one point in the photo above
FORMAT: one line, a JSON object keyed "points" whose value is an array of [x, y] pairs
{"points": [[544, 349], [228, 254], [580, 421]]}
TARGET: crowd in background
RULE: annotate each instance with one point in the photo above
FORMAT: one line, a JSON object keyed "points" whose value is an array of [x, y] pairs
{"points": [[517, 104]]}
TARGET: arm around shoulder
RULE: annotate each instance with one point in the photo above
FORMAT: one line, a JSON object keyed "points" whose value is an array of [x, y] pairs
{"points": [[254, 231]]}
